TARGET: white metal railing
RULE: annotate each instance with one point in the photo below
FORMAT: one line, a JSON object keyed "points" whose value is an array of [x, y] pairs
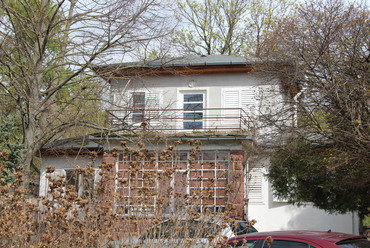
{"points": [[182, 120]]}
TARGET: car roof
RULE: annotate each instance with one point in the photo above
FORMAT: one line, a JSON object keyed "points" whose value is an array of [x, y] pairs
{"points": [[332, 237]]}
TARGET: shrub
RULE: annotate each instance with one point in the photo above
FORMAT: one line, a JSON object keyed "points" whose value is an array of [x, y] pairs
{"points": [[102, 217]]}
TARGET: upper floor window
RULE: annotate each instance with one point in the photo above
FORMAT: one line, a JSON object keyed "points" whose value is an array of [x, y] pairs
{"points": [[138, 105], [193, 110]]}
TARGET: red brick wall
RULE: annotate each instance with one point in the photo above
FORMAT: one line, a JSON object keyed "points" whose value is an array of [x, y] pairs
{"points": [[236, 178], [108, 180], [236, 182]]}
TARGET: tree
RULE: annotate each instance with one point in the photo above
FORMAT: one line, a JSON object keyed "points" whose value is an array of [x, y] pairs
{"points": [[47, 48], [326, 158], [226, 26]]}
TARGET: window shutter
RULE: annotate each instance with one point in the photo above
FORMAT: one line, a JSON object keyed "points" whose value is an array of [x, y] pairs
{"points": [[118, 99], [46, 182], [43, 184], [230, 99], [248, 100], [121, 102], [153, 100], [58, 173], [97, 177], [153, 106], [255, 185]]}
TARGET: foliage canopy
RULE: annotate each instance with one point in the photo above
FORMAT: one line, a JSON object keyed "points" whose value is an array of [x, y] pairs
{"points": [[327, 161], [47, 48]]}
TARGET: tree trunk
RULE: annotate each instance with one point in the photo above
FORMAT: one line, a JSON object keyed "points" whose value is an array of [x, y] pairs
{"points": [[31, 142]]}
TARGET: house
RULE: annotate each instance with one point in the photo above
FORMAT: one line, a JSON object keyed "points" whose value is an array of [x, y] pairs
{"points": [[173, 104]]}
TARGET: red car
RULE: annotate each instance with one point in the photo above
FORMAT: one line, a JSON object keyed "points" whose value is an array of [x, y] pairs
{"points": [[298, 239]]}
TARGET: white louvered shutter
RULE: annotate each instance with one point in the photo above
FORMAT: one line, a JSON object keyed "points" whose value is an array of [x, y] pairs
{"points": [[43, 184], [97, 178], [230, 99], [248, 100], [121, 104], [153, 105], [55, 175], [255, 185]]}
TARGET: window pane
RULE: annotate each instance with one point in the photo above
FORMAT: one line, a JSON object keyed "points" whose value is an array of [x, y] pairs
{"points": [[244, 243], [222, 156], [286, 244], [184, 156], [220, 209], [193, 105], [138, 116], [208, 156], [193, 97], [193, 125], [72, 179], [242, 227], [193, 116], [138, 98], [355, 243]]}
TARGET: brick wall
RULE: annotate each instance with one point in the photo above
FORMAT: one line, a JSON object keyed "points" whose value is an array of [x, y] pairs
{"points": [[237, 184]]}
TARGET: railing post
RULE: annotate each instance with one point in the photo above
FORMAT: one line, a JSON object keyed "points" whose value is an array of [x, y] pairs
{"points": [[240, 119]]}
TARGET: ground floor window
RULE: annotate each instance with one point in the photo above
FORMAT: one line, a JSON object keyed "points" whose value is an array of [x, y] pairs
{"points": [[83, 182], [161, 182]]}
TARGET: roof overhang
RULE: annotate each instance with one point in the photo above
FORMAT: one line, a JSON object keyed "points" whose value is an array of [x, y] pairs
{"points": [[195, 65], [82, 145], [189, 64], [137, 71]]}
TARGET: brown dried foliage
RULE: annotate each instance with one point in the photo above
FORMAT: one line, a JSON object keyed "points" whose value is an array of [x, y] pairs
{"points": [[65, 219]]}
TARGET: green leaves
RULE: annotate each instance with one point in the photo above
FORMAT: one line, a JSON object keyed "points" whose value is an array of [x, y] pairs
{"points": [[11, 144], [327, 161], [325, 175]]}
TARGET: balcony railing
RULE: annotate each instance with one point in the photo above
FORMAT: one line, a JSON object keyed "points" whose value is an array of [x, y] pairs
{"points": [[181, 120]]}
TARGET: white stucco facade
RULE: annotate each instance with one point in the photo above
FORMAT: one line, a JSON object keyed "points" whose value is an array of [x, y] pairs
{"points": [[243, 94], [254, 93]]}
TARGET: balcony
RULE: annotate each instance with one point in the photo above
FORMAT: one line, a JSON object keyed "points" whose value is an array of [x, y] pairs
{"points": [[171, 121]]}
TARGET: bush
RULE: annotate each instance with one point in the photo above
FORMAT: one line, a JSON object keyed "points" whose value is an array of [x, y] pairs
{"points": [[63, 218]]}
